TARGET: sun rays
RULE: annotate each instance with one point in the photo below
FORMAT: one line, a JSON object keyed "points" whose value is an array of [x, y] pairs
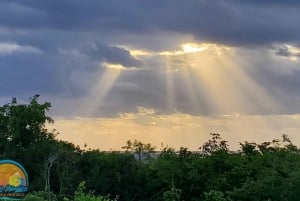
{"points": [[199, 79], [203, 78], [213, 74], [108, 75], [211, 77], [170, 91]]}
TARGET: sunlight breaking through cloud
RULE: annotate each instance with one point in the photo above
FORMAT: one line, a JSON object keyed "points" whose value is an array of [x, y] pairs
{"points": [[185, 48], [93, 102]]}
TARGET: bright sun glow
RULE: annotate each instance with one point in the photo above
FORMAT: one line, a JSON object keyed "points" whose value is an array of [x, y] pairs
{"points": [[295, 52], [293, 49], [185, 48], [140, 52], [114, 66], [190, 48]]}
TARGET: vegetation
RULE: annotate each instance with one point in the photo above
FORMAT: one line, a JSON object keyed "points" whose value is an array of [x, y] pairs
{"points": [[59, 170]]}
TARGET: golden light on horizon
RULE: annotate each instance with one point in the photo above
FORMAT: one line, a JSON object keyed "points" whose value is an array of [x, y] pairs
{"points": [[174, 129]]}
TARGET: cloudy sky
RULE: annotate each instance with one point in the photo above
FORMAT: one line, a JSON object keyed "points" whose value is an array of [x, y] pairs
{"points": [[168, 71]]}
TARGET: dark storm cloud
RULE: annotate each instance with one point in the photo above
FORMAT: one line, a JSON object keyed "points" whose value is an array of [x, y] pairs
{"points": [[23, 74], [274, 2], [68, 72], [282, 51], [69, 15], [285, 51], [284, 88], [230, 22], [26, 70], [112, 54]]}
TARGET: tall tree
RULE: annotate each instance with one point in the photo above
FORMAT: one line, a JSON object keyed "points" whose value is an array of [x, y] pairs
{"points": [[214, 145], [141, 149], [24, 124]]}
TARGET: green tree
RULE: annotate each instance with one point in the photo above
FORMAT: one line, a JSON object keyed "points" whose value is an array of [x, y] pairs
{"points": [[172, 195], [214, 145], [214, 195], [141, 149], [21, 125], [80, 195], [24, 136], [40, 196]]}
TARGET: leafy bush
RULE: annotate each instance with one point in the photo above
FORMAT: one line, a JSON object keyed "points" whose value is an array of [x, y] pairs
{"points": [[80, 195], [40, 196], [214, 195]]}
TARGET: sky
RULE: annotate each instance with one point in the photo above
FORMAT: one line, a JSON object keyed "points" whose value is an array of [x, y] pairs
{"points": [[159, 71]]}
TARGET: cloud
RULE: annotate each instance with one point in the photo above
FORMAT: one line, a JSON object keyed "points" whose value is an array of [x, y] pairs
{"points": [[238, 23], [113, 54], [282, 51], [25, 73], [7, 48], [287, 51], [48, 68]]}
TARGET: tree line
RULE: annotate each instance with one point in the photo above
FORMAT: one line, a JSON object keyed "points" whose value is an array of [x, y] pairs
{"points": [[59, 170]]}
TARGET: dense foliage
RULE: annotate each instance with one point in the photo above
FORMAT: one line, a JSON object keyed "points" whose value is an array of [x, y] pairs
{"points": [[59, 170]]}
